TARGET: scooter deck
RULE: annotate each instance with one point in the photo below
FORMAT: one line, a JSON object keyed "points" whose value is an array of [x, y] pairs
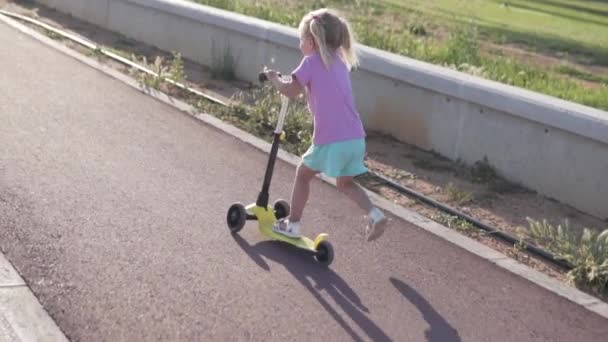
{"points": [[266, 219], [301, 242]]}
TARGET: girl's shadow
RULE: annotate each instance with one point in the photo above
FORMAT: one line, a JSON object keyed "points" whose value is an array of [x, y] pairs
{"points": [[315, 278]]}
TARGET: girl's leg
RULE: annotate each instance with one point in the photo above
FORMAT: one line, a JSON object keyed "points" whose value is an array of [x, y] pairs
{"points": [[300, 191], [290, 226], [352, 190]]}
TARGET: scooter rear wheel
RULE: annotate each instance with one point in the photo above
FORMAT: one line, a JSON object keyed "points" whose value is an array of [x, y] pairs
{"points": [[237, 217], [325, 253]]}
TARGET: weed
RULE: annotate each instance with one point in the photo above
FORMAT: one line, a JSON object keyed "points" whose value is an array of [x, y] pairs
{"points": [[482, 171], [257, 112], [453, 222], [176, 69], [460, 197], [149, 80], [53, 35], [97, 53], [588, 252], [517, 251]]}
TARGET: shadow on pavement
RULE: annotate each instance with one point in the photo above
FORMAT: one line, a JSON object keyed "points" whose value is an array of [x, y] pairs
{"points": [[441, 330], [315, 278]]}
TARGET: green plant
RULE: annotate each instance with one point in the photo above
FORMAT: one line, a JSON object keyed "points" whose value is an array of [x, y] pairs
{"points": [[97, 53], [53, 35], [460, 197], [257, 111], [587, 252], [150, 80], [176, 69], [453, 222], [520, 246], [482, 171]]}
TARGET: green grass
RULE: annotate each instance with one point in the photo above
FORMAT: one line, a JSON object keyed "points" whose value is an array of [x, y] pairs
{"points": [[451, 33], [558, 25], [583, 75]]}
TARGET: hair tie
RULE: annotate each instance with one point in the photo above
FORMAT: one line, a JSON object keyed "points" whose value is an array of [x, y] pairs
{"points": [[316, 16]]}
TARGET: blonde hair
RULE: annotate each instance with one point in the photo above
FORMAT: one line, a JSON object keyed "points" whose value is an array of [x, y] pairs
{"points": [[331, 34]]}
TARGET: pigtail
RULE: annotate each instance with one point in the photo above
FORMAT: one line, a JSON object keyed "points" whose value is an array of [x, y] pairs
{"points": [[318, 32], [349, 54]]}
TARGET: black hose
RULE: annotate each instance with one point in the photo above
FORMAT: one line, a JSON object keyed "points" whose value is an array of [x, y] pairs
{"points": [[504, 236]]}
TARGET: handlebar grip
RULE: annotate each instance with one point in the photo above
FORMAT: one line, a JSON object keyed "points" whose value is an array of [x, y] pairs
{"points": [[263, 78]]}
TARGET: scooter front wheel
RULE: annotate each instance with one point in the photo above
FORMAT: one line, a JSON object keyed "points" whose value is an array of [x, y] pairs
{"points": [[281, 209], [325, 253], [237, 217]]}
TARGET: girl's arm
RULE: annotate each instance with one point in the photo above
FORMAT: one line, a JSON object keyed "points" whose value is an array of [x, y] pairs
{"points": [[290, 88]]}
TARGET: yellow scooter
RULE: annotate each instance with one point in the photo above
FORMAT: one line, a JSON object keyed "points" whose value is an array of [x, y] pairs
{"points": [[266, 215]]}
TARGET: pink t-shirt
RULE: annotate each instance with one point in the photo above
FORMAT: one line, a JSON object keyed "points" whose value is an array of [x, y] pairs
{"points": [[330, 100]]}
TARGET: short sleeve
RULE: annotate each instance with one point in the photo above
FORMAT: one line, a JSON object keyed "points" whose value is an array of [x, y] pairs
{"points": [[303, 73]]}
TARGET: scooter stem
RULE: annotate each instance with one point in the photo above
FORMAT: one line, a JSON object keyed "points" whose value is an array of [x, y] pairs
{"points": [[263, 197]]}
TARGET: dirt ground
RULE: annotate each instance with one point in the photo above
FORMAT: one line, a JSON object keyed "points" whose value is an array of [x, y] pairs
{"points": [[494, 201]]}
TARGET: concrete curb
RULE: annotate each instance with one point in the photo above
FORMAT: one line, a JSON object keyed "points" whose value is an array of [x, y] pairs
{"points": [[22, 317], [574, 295]]}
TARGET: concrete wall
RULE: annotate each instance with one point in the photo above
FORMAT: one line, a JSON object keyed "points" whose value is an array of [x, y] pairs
{"points": [[95, 11], [557, 148]]}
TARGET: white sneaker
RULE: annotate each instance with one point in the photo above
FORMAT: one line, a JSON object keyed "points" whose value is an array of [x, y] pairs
{"points": [[287, 228], [376, 225]]}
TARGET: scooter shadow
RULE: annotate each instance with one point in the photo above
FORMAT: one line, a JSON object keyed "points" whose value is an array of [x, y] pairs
{"points": [[316, 278]]}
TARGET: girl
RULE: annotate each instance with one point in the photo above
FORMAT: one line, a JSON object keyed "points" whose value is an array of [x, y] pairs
{"points": [[338, 146]]}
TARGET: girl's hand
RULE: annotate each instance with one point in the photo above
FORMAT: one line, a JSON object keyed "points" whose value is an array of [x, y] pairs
{"points": [[289, 88], [272, 75]]}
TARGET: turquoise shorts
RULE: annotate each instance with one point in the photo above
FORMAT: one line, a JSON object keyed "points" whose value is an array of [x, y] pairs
{"points": [[343, 158]]}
